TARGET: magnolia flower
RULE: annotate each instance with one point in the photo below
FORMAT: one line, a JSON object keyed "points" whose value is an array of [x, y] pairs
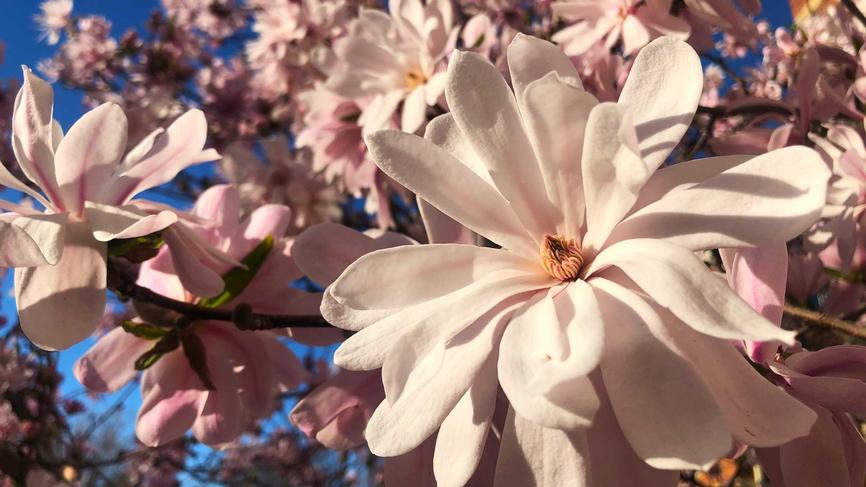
{"points": [[247, 368], [54, 18], [287, 178], [87, 185], [393, 58], [596, 274], [833, 382], [635, 22]]}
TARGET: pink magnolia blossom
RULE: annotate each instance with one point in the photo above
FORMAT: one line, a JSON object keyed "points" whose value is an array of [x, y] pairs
{"points": [[395, 58], [247, 368], [87, 185], [287, 178], [833, 382], [596, 273], [635, 22]]}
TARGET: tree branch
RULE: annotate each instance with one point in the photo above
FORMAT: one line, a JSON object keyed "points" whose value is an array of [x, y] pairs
{"points": [[816, 318]]}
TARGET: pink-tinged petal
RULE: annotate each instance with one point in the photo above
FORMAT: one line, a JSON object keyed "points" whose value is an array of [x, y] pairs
{"points": [[60, 305], [109, 364], [264, 221], [613, 173], [413, 468], [172, 397], [578, 38], [430, 394], [128, 221], [768, 199], [677, 280], [179, 147], [462, 436], [659, 401], [398, 270], [32, 135], [32, 240], [441, 228], [547, 105], [414, 111], [88, 155], [219, 205], [444, 132], [222, 415], [840, 361], [548, 349], [635, 33], [662, 94], [817, 459], [758, 412], [324, 251], [187, 259], [607, 441], [531, 58], [250, 362], [414, 336], [449, 185], [10, 181], [683, 175], [531, 454], [486, 111], [759, 276], [336, 412], [835, 393], [855, 447]]}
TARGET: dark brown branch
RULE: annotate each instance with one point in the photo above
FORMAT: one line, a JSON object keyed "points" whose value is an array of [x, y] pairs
{"points": [[855, 11], [815, 318], [242, 316]]}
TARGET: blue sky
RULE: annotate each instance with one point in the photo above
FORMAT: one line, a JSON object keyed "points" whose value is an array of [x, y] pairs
{"points": [[19, 33]]}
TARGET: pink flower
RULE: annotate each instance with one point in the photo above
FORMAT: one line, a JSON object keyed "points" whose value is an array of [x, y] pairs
{"points": [[395, 58], [247, 368], [833, 382], [634, 22], [54, 18], [87, 185], [596, 272]]}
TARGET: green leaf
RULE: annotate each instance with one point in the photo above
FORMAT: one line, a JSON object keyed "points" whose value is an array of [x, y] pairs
{"points": [[166, 344], [238, 279], [125, 246], [145, 330]]}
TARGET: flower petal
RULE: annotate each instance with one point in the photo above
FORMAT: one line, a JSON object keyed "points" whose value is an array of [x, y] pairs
{"points": [[548, 105], [676, 279], [531, 58], [662, 93], [32, 136], [449, 185], [179, 147], [531, 454], [128, 221], [768, 199], [549, 347], [61, 305], [32, 240], [109, 365], [486, 112], [172, 397], [658, 399], [613, 173], [88, 155]]}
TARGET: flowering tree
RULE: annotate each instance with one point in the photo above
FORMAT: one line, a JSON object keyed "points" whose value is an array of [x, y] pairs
{"points": [[436, 242]]}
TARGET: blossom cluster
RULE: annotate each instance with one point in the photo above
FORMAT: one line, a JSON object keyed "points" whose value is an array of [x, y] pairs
{"points": [[569, 242]]}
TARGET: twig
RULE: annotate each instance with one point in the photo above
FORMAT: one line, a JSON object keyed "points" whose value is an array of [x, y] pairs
{"points": [[820, 319], [242, 315]]}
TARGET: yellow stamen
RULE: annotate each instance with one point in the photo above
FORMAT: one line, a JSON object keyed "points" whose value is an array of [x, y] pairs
{"points": [[414, 79], [561, 257]]}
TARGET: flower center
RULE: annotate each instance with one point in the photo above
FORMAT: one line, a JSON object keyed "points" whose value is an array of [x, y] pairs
{"points": [[561, 257], [414, 79]]}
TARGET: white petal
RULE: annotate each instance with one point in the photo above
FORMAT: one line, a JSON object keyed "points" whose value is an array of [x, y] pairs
{"points": [[118, 222], [662, 93], [531, 58]]}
